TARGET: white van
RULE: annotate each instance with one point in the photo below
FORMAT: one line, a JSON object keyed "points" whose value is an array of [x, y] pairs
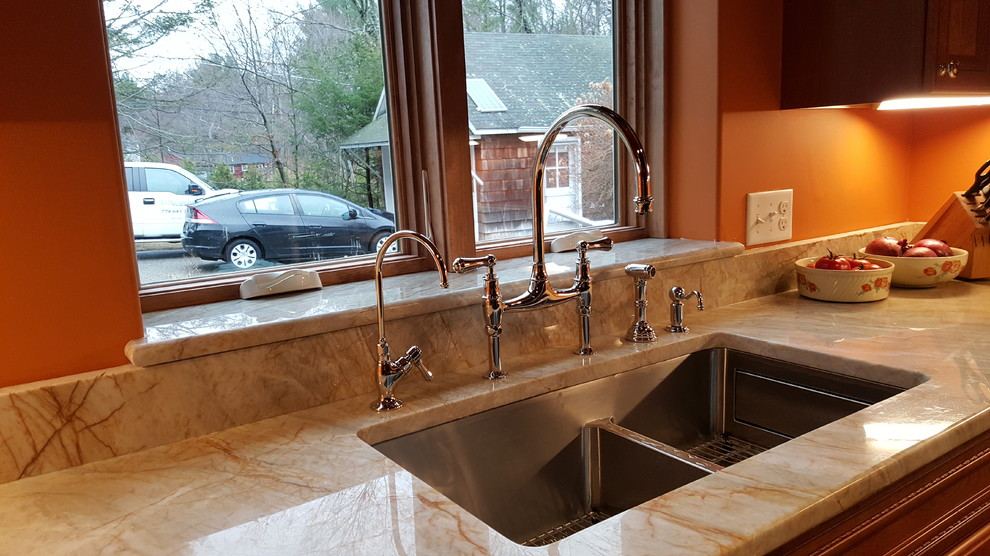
{"points": [[158, 194]]}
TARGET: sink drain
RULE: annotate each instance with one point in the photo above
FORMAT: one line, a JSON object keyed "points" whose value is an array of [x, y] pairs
{"points": [[563, 531]]}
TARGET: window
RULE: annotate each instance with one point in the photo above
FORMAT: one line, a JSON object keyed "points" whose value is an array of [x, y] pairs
{"points": [[272, 116], [166, 181], [311, 205], [558, 169], [602, 53], [524, 68], [275, 204]]}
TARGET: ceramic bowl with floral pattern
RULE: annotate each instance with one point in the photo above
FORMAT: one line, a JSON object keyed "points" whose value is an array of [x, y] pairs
{"points": [[924, 272], [847, 286]]}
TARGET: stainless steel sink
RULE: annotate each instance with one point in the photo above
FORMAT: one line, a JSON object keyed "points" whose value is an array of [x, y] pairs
{"points": [[540, 469]]}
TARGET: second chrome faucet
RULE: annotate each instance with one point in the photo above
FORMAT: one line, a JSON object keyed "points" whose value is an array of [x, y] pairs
{"points": [[389, 372], [540, 292]]}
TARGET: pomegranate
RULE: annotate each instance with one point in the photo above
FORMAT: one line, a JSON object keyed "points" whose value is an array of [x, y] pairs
{"points": [[919, 252], [885, 246], [940, 248]]}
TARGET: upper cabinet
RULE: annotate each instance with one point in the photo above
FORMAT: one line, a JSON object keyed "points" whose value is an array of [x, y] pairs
{"points": [[838, 52], [958, 46]]}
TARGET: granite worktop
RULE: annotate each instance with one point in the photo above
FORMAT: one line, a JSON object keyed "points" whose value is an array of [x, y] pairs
{"points": [[309, 482]]}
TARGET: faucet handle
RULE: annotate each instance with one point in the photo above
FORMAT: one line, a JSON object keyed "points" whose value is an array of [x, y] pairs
{"points": [[414, 356], [426, 372], [465, 264], [603, 244]]}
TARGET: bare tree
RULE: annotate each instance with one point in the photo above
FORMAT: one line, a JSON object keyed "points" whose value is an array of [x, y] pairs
{"points": [[597, 156], [570, 17], [133, 27], [257, 59]]}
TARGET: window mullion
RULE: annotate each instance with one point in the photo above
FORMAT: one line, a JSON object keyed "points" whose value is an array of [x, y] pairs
{"points": [[426, 76], [640, 99]]}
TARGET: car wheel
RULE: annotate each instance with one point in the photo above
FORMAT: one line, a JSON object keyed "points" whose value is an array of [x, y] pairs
{"points": [[243, 253], [379, 240]]}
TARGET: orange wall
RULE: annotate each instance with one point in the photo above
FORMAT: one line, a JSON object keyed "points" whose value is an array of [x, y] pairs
{"points": [[70, 300], [849, 168], [948, 147]]}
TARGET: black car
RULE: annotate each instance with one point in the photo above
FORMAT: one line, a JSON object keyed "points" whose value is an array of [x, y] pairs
{"points": [[281, 225]]}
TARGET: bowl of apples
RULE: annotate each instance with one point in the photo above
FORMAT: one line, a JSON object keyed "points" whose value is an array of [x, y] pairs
{"points": [[923, 264], [844, 279]]}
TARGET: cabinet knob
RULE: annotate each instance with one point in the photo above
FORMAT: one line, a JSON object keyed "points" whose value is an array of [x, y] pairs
{"points": [[950, 70]]}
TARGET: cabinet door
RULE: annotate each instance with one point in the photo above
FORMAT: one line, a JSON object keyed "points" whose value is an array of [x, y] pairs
{"points": [[836, 52], [943, 509], [958, 46]]}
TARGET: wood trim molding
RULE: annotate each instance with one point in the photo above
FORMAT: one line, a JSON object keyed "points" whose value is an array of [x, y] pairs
{"points": [[641, 99], [428, 101]]}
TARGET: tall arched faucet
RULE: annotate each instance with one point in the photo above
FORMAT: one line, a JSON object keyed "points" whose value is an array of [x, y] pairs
{"points": [[389, 372], [540, 292]]}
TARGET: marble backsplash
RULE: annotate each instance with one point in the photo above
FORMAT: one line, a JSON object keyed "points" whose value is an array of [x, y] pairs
{"points": [[212, 381]]}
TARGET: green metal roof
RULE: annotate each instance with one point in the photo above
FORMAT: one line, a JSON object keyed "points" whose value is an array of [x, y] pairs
{"points": [[372, 135]]}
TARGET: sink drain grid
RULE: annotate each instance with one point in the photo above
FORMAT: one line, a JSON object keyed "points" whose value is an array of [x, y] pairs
{"points": [[563, 531], [725, 450]]}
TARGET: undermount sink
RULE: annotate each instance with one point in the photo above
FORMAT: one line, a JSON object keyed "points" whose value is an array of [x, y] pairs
{"points": [[542, 468]]}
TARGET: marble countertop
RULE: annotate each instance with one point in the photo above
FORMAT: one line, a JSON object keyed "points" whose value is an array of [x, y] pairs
{"points": [[309, 482]]}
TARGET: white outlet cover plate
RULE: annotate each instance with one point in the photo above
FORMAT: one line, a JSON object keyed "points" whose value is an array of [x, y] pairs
{"points": [[768, 216]]}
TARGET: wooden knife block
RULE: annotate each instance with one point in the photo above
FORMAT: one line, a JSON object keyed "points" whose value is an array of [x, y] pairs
{"points": [[956, 224]]}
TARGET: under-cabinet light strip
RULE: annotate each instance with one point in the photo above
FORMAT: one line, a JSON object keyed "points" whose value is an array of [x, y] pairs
{"points": [[932, 102]]}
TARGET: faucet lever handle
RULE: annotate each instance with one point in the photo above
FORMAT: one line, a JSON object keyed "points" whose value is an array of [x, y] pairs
{"points": [[414, 356], [465, 264], [603, 244], [426, 372]]}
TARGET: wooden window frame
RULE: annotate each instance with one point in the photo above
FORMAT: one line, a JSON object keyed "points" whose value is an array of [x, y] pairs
{"points": [[425, 76]]}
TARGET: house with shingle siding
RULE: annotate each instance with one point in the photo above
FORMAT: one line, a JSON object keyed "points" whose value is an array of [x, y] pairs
{"points": [[517, 86]]}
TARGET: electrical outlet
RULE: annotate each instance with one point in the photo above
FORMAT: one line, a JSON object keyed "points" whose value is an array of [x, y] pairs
{"points": [[768, 216]]}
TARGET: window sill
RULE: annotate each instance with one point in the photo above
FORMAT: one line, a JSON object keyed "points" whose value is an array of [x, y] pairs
{"points": [[187, 332]]}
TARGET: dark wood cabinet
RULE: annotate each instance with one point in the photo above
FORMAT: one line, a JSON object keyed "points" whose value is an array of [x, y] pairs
{"points": [[957, 57], [943, 508], [842, 52]]}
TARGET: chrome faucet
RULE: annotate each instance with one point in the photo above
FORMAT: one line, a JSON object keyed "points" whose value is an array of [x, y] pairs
{"points": [[540, 292], [390, 372], [678, 296]]}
